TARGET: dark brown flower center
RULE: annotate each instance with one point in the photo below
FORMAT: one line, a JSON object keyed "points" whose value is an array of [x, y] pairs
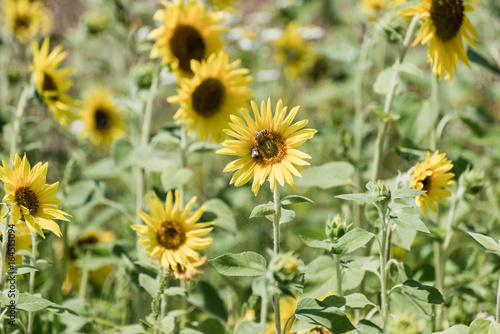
{"points": [[447, 16], [186, 44], [26, 197], [426, 183], [22, 22], [48, 83], [88, 240], [208, 97], [269, 148], [171, 235], [102, 120]]}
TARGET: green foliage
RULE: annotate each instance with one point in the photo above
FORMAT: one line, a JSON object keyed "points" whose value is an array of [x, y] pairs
{"points": [[242, 264]]}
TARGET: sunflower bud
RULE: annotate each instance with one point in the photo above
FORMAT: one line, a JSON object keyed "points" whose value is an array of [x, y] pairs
{"points": [[143, 75], [381, 191], [404, 323], [336, 228], [470, 182], [96, 22]]}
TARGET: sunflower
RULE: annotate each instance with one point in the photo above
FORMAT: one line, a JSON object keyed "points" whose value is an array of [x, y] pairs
{"points": [[26, 19], [444, 26], [31, 199], [52, 83], [187, 32], [190, 270], [266, 146], [294, 51], [172, 235], [217, 90], [101, 118], [22, 240], [432, 176]]}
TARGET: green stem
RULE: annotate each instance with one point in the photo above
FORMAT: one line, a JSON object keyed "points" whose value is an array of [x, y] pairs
{"points": [[384, 307], [276, 234], [85, 275], [3, 252], [439, 278], [338, 270], [183, 151], [17, 118], [390, 96], [263, 311], [498, 301], [31, 315]]}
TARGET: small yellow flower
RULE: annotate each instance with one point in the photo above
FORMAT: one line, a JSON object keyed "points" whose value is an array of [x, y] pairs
{"points": [[173, 235], [190, 270], [51, 82], [445, 24], [432, 176], [101, 118], [31, 199], [26, 19], [188, 31], [266, 145], [22, 240], [217, 90]]}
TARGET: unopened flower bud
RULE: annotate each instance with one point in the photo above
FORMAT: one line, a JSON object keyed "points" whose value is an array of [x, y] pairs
{"points": [[336, 228]]}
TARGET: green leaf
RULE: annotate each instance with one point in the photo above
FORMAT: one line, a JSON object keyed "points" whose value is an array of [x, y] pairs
{"points": [[383, 81], [120, 149], [314, 243], [423, 292], [295, 199], [262, 210], [477, 58], [483, 326], [202, 147], [404, 193], [249, 327], [426, 119], [403, 237], [352, 240], [367, 327], [32, 303], [242, 264], [205, 296], [225, 216], [457, 329], [384, 117], [363, 198], [149, 284], [352, 301], [329, 175], [409, 68], [311, 312], [286, 216], [79, 193], [489, 243], [407, 221], [168, 324], [172, 178], [21, 269], [175, 291]]}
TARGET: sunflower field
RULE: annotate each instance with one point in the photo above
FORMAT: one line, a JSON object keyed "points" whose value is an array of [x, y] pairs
{"points": [[250, 167]]}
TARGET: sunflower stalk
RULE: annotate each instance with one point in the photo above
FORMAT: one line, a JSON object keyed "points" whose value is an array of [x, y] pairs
{"points": [[263, 310], [3, 253], [27, 92], [338, 270], [276, 234], [183, 151], [497, 314], [31, 315], [379, 143], [85, 275], [384, 307]]}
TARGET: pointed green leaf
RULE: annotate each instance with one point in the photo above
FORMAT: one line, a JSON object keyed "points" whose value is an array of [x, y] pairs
{"points": [[249, 327], [487, 242], [225, 215], [409, 68], [404, 193], [120, 149], [242, 264], [352, 240], [32, 303], [363, 198], [262, 210], [173, 178], [149, 284], [206, 297], [313, 243], [477, 58], [384, 117], [295, 199], [423, 292], [483, 326], [367, 327], [21, 269], [457, 329], [329, 175], [408, 221]]}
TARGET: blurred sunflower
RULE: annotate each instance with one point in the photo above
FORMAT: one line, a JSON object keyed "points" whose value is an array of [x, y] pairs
{"points": [[224, 4], [52, 83], [217, 90], [172, 235], [22, 239], [26, 19], [432, 176], [445, 24], [190, 270], [98, 271], [294, 51], [30, 197], [102, 123], [188, 31], [266, 146], [371, 6]]}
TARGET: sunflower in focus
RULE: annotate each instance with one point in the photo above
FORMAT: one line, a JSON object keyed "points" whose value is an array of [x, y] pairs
{"points": [[26, 19], [445, 24], [173, 235], [22, 239], [188, 31], [52, 83], [432, 176], [266, 145], [294, 51], [98, 271], [31, 199], [217, 90], [102, 122]]}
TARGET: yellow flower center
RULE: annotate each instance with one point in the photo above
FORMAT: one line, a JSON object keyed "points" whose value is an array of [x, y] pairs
{"points": [[447, 16], [269, 148], [207, 97], [186, 44], [171, 235], [26, 197], [102, 120]]}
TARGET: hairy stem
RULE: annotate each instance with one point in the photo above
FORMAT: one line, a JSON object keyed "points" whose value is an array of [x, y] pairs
{"points": [[17, 118], [276, 234]]}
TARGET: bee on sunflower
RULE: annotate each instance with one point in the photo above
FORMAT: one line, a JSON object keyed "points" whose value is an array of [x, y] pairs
{"points": [[432, 176], [188, 31], [217, 90], [266, 145], [172, 235], [32, 200], [51, 82], [445, 24], [26, 19]]}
